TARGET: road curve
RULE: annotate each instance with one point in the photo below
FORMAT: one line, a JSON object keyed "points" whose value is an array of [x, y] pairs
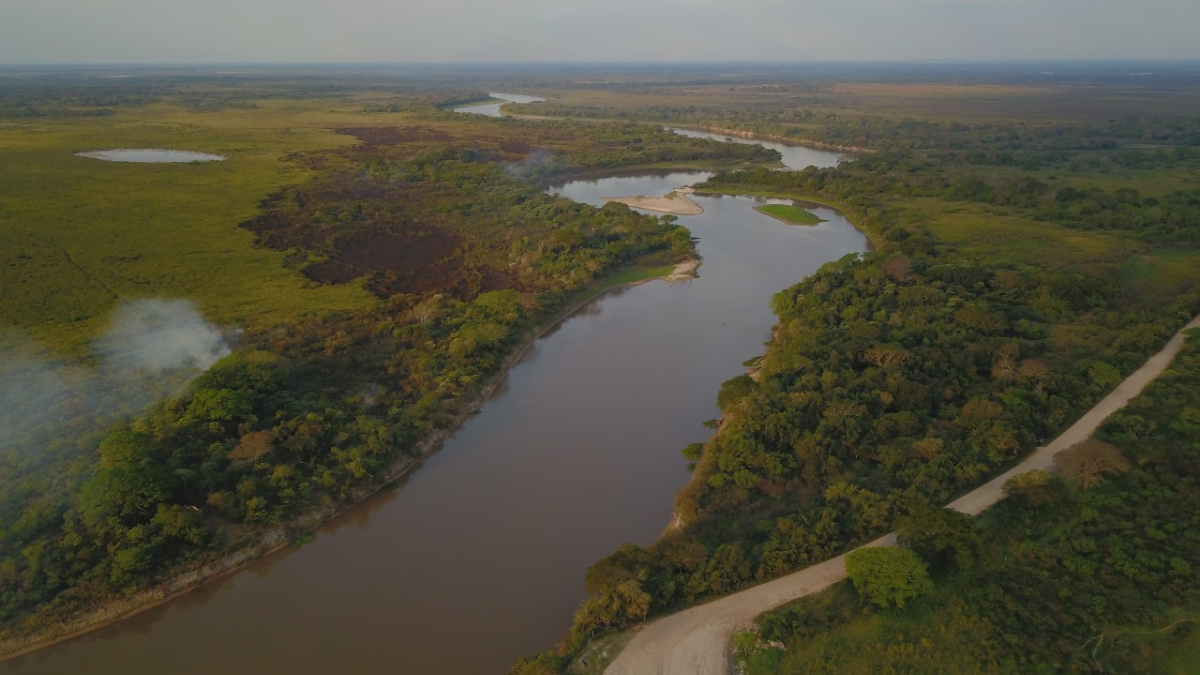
{"points": [[696, 640]]}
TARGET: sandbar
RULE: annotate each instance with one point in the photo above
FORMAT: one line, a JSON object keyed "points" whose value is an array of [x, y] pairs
{"points": [[675, 202]]}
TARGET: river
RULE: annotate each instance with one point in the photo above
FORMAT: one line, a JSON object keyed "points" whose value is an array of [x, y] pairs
{"points": [[478, 556], [493, 109]]}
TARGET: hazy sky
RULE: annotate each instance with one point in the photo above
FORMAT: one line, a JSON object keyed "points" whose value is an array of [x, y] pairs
{"points": [[215, 31]]}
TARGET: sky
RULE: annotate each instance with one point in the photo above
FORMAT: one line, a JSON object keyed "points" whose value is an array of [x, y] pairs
{"points": [[471, 31]]}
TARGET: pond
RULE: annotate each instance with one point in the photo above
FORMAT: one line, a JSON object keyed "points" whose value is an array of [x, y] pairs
{"points": [[151, 156]]}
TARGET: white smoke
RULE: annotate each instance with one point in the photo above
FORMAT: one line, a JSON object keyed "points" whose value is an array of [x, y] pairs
{"points": [[151, 349], [532, 164], [154, 336]]}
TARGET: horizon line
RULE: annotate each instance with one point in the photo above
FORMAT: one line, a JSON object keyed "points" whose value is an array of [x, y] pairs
{"points": [[502, 64]]}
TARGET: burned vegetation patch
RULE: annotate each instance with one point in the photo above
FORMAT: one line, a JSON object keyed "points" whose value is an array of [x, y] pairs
{"points": [[454, 208], [341, 231], [395, 260]]}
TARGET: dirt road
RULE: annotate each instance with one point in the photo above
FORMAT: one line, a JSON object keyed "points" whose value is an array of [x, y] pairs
{"points": [[696, 641]]}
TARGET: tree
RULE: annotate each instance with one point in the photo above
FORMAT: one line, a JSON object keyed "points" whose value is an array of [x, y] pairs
{"points": [[883, 356], [888, 576], [1104, 376], [1035, 488], [940, 536], [1089, 461], [252, 447]]}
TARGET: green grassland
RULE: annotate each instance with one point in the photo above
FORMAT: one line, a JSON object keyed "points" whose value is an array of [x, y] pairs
{"points": [[81, 234], [792, 215]]}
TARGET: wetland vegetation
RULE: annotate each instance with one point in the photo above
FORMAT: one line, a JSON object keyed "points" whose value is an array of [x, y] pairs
{"points": [[390, 259], [382, 258]]}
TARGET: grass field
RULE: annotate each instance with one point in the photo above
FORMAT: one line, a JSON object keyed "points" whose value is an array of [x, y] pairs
{"points": [[1182, 658], [979, 228], [80, 234], [792, 215]]}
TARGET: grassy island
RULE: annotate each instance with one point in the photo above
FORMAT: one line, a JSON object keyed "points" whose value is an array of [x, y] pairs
{"points": [[789, 214]]}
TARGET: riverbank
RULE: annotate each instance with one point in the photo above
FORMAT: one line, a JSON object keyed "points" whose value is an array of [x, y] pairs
{"points": [[274, 539], [674, 202]]}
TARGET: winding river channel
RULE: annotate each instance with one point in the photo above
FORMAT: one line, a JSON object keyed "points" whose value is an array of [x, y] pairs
{"points": [[478, 557]]}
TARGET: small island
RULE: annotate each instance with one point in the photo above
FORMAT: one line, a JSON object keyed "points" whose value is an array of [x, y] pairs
{"points": [[787, 213]]}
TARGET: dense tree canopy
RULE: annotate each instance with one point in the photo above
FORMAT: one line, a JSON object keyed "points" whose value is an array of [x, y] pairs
{"points": [[888, 576]]}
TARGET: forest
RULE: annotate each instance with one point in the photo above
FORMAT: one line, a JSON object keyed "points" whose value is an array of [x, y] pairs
{"points": [[1080, 572]]}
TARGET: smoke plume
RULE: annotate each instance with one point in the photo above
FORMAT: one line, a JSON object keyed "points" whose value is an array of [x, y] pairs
{"points": [[151, 349], [154, 336]]}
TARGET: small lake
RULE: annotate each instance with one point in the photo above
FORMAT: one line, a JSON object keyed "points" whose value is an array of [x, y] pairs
{"points": [[493, 109], [151, 156], [478, 556]]}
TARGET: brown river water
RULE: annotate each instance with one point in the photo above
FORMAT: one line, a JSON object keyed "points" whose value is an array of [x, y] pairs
{"points": [[477, 558]]}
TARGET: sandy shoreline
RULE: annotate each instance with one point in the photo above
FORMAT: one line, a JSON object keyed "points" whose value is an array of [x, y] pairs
{"points": [[684, 271], [675, 202], [280, 537]]}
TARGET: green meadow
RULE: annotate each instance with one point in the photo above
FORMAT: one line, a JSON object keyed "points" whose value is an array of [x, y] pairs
{"points": [[792, 215], [79, 235]]}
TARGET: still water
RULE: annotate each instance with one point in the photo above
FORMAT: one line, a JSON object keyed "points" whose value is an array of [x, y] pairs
{"points": [[151, 156], [477, 558]]}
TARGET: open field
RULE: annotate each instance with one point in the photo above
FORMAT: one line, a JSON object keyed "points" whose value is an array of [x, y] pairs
{"points": [[81, 235]]}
